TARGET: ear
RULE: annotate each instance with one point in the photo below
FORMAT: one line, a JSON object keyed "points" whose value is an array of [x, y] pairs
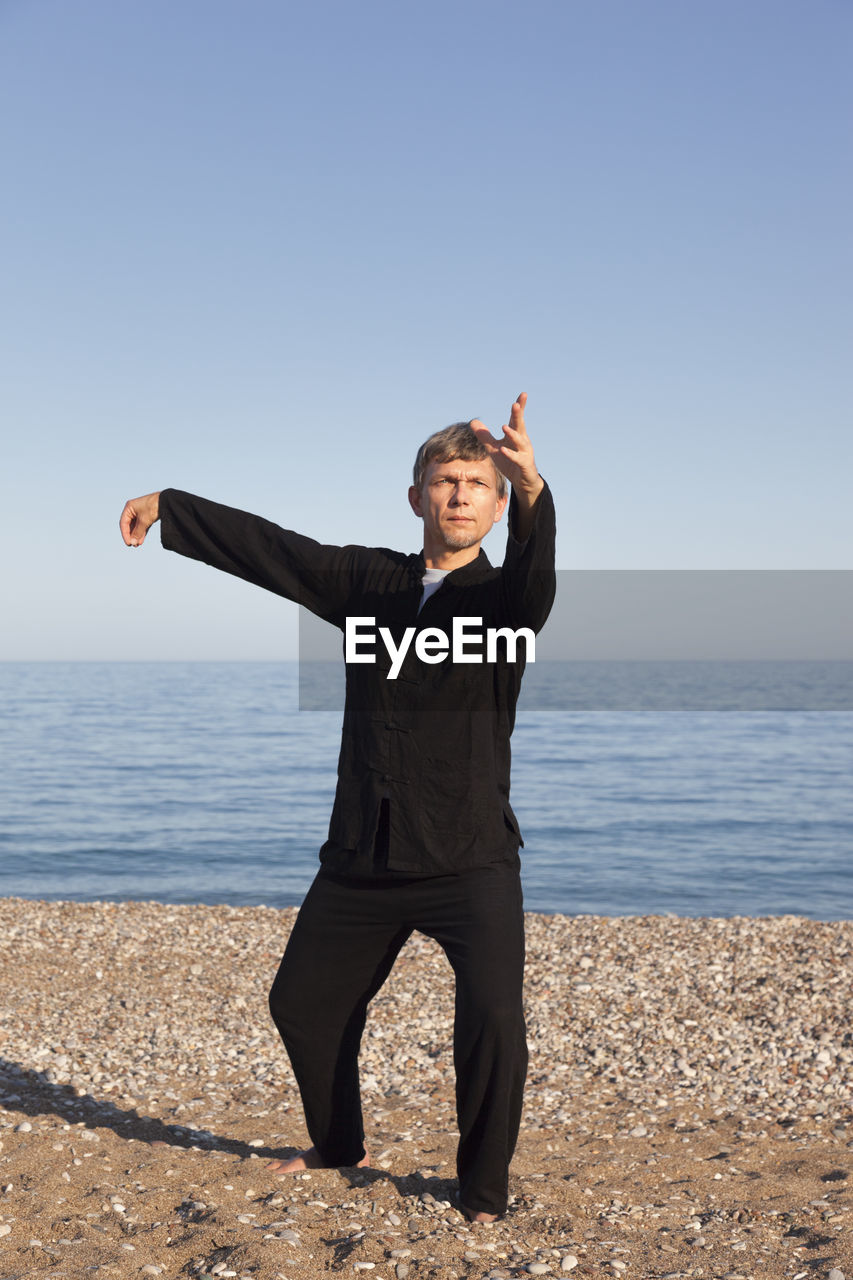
{"points": [[501, 507], [415, 500]]}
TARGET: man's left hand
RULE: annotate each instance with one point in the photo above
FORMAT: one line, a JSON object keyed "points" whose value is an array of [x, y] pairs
{"points": [[513, 455]]}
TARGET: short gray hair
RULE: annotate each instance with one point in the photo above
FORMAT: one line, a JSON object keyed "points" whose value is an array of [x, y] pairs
{"points": [[455, 441]]}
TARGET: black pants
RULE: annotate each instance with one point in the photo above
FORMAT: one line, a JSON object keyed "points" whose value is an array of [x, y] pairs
{"points": [[342, 948]]}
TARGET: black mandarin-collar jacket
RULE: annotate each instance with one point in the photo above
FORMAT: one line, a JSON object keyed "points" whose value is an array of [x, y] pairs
{"points": [[434, 742]]}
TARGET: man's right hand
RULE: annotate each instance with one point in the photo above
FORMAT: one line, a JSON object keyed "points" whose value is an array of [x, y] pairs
{"points": [[137, 518]]}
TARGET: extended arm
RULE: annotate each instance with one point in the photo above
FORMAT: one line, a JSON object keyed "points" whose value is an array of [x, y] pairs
{"points": [[320, 577]]}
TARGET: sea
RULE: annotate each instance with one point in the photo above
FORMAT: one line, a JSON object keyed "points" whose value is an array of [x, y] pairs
{"points": [[715, 789]]}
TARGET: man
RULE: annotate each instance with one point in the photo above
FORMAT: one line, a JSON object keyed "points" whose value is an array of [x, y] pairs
{"points": [[422, 835]]}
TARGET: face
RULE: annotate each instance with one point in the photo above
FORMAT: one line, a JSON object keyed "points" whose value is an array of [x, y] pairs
{"points": [[458, 502]]}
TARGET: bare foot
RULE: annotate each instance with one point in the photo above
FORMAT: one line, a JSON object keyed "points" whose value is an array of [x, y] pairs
{"points": [[477, 1215], [310, 1159]]}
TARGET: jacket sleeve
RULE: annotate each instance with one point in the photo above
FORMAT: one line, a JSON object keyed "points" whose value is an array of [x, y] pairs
{"points": [[529, 575], [317, 576]]}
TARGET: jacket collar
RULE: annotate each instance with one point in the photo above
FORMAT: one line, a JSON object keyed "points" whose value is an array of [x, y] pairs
{"points": [[471, 572]]}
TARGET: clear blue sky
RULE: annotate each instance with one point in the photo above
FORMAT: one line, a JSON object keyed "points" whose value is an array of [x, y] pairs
{"points": [[260, 250]]}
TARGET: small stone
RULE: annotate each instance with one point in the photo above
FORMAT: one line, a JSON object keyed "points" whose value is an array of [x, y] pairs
{"points": [[151, 1270], [471, 1256], [5, 1229], [394, 1219], [24, 1127], [363, 1266], [568, 1262], [401, 1270], [538, 1268], [835, 1274], [256, 1142], [400, 1253]]}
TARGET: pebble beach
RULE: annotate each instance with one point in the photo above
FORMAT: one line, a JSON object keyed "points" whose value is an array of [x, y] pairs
{"points": [[689, 1107]]}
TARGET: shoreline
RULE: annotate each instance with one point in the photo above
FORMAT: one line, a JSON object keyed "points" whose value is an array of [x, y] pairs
{"points": [[120, 901], [689, 1106]]}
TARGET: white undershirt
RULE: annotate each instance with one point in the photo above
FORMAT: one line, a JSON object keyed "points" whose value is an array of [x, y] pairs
{"points": [[431, 580]]}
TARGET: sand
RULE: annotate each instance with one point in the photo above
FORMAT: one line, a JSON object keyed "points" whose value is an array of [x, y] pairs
{"points": [[688, 1110]]}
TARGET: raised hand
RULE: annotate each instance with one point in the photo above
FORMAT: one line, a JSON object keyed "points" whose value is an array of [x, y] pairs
{"points": [[137, 518], [513, 454]]}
